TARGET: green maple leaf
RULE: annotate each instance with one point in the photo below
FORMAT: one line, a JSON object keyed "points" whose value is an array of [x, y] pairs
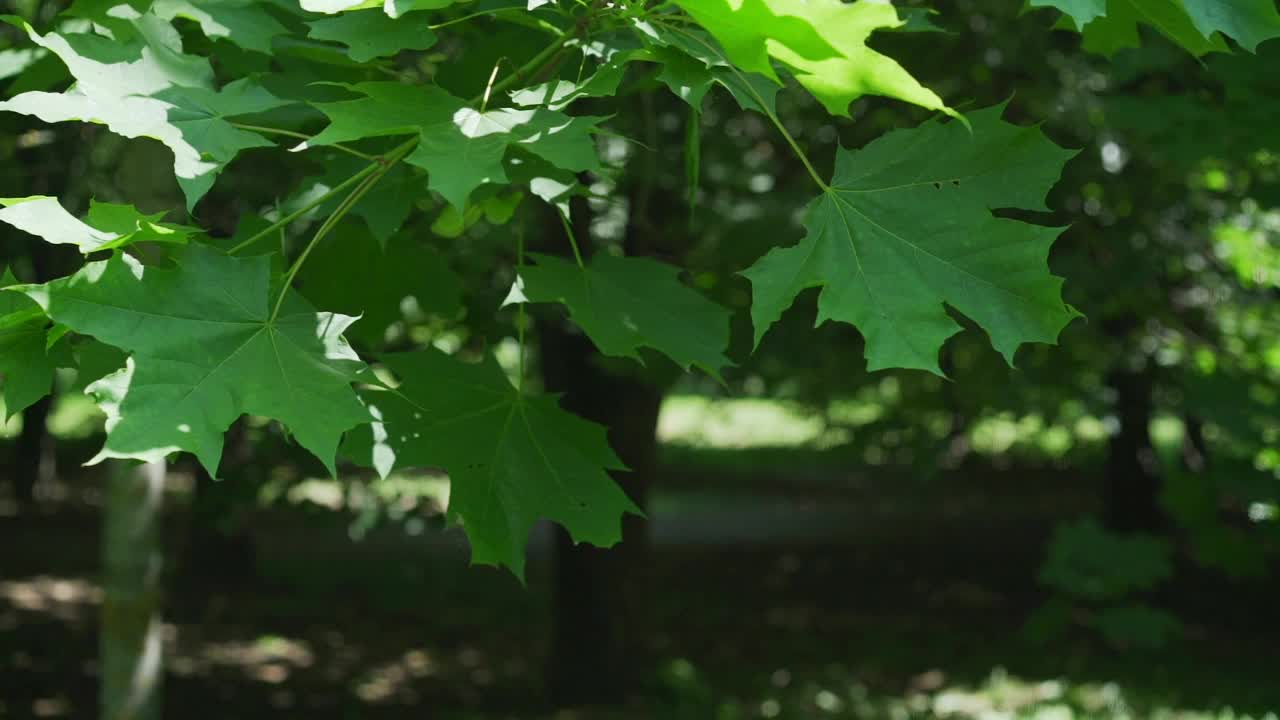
{"points": [[384, 209], [822, 42], [370, 34], [386, 108], [1110, 25], [206, 350], [1081, 12], [906, 226], [460, 147], [121, 83], [243, 22], [467, 151], [625, 303], [347, 273], [201, 115], [512, 458], [692, 65], [109, 225], [559, 94], [25, 364]]}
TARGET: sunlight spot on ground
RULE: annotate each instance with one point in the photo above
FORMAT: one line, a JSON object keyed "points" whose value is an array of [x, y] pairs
{"points": [[67, 599], [270, 659], [51, 707], [394, 680], [741, 423]]}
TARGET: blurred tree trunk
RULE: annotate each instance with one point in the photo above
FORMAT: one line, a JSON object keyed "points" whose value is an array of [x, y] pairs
{"points": [[34, 456], [219, 546], [1132, 473], [33, 452], [131, 645], [599, 594]]}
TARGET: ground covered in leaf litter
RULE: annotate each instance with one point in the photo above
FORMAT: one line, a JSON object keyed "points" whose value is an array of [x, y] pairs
{"points": [[834, 602]]}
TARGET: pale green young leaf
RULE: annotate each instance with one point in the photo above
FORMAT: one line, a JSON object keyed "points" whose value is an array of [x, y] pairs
{"points": [[907, 226], [109, 225], [822, 42], [26, 369], [512, 458], [370, 34], [204, 352], [624, 304]]}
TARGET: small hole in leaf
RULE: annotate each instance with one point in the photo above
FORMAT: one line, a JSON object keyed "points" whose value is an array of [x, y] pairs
{"points": [[955, 183], [937, 186]]}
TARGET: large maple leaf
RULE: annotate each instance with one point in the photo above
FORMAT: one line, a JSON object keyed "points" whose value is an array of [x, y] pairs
{"points": [[205, 350], [626, 303], [511, 457], [907, 225]]}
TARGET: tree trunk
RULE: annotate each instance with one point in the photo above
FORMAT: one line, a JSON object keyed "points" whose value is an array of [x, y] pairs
{"points": [[219, 548], [1132, 474], [33, 452], [599, 594], [131, 643]]}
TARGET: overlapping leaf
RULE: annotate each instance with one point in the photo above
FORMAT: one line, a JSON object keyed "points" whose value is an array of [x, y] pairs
{"points": [[205, 350], [349, 273], [26, 368], [109, 225], [243, 22], [141, 85], [1110, 25], [822, 42], [460, 147], [906, 226], [512, 458], [624, 304], [692, 64], [370, 34]]}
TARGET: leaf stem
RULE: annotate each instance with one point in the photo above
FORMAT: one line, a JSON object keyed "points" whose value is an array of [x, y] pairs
{"points": [[573, 241], [279, 224], [520, 306], [759, 99], [365, 179], [301, 136], [474, 15], [526, 69], [379, 169]]}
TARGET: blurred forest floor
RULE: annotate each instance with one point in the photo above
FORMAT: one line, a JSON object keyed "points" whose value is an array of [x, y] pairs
{"points": [[824, 596]]}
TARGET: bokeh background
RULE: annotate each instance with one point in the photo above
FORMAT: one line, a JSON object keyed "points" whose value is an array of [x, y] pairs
{"points": [[1090, 534]]}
